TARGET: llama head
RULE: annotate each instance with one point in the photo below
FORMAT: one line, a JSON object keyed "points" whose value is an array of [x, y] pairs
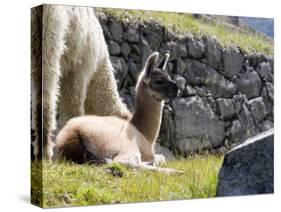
{"points": [[157, 82]]}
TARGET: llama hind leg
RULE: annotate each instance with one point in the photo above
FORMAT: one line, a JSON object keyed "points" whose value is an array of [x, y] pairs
{"points": [[102, 97], [73, 95]]}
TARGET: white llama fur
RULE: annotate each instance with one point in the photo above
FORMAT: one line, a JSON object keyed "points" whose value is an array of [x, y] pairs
{"points": [[73, 67], [114, 139]]}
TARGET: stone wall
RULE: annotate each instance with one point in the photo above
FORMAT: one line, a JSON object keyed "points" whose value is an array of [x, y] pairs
{"points": [[226, 96]]}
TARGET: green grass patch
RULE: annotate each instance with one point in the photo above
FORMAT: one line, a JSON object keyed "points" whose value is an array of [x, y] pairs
{"points": [[182, 23], [66, 184]]}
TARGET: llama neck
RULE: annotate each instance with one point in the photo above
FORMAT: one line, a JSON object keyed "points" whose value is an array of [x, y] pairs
{"points": [[148, 114]]}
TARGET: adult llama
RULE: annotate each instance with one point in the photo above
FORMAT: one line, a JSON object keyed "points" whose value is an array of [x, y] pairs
{"points": [[71, 72]]}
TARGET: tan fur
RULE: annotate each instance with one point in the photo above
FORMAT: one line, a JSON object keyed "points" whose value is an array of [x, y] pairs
{"points": [[70, 70], [93, 138]]}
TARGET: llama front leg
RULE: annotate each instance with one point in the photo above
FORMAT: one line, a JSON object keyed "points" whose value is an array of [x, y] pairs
{"points": [[50, 90], [53, 32]]}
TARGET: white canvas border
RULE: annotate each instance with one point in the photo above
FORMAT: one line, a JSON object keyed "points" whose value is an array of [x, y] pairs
{"points": [[15, 90]]}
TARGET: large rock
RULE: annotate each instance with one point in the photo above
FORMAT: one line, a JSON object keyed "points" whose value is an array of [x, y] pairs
{"points": [[200, 91], [250, 84], [238, 100], [248, 128], [170, 67], [233, 60], [105, 29], [128, 99], [125, 49], [196, 126], [132, 34], [189, 91], [270, 90], [116, 30], [214, 54], [248, 168], [267, 125], [180, 66], [226, 108], [195, 47], [154, 34], [257, 108], [255, 59], [167, 127], [264, 69], [145, 50], [176, 49], [221, 87], [235, 132], [181, 82], [269, 104], [197, 73], [120, 69], [133, 69], [113, 48], [169, 34]]}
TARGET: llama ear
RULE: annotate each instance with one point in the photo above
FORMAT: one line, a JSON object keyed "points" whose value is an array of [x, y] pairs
{"points": [[151, 63], [162, 65]]}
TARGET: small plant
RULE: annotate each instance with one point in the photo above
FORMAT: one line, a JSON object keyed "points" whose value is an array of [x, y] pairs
{"points": [[116, 169]]}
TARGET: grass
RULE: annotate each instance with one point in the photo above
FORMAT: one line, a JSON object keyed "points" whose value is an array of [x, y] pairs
{"points": [[182, 23], [66, 184]]}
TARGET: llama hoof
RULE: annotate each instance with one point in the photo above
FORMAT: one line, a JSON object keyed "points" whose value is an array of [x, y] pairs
{"points": [[159, 159]]}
